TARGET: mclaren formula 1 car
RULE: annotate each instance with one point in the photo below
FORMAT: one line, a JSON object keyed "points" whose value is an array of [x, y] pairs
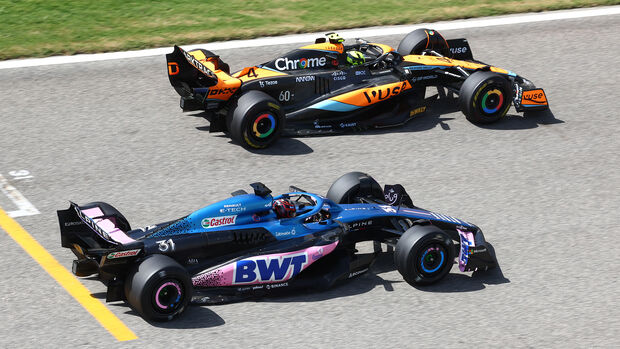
{"points": [[329, 87], [256, 244]]}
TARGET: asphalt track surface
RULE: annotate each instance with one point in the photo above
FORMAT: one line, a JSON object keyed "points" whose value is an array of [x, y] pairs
{"points": [[544, 188]]}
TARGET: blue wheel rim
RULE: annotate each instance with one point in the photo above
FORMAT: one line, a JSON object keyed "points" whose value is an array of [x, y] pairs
{"points": [[425, 257]]}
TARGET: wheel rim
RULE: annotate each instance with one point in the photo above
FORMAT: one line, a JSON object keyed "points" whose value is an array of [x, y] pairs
{"points": [[168, 296], [492, 101], [432, 259], [261, 131], [264, 126]]}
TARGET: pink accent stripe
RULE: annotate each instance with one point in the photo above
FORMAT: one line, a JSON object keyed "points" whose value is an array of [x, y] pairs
{"points": [[119, 236], [109, 226], [93, 212], [467, 240], [225, 275]]}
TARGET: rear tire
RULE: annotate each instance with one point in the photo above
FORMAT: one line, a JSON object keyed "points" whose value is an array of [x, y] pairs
{"points": [[354, 184], [158, 288], [256, 121], [421, 39], [485, 97], [424, 255]]}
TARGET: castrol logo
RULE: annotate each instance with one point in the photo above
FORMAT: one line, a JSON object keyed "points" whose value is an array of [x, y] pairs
{"points": [[212, 222]]}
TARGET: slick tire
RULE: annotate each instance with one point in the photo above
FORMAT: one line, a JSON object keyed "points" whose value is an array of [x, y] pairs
{"points": [[485, 97], [424, 255], [421, 39], [351, 186], [159, 288], [256, 121]]}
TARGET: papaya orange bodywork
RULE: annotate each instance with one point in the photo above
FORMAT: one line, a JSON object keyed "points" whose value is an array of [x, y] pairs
{"points": [[371, 95], [385, 48], [251, 73], [534, 97], [226, 85], [325, 47], [448, 62]]}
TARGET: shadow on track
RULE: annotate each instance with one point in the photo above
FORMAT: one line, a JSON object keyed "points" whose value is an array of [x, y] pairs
{"points": [[454, 282], [351, 287], [192, 318], [529, 120], [426, 121], [201, 316], [463, 283], [283, 146]]}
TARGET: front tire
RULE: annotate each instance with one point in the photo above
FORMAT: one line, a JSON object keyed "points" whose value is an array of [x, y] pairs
{"points": [[424, 255], [256, 121], [158, 288], [348, 187], [421, 39], [485, 97]]}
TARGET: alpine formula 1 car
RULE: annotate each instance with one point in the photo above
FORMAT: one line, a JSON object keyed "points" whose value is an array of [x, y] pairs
{"points": [[255, 244], [329, 87]]}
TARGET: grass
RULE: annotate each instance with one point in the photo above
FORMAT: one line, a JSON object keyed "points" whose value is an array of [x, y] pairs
{"points": [[36, 28]]}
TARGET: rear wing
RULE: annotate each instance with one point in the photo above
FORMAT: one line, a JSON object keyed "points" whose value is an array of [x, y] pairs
{"points": [[186, 72], [92, 226]]}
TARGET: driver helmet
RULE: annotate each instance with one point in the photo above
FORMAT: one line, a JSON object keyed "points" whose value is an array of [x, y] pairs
{"points": [[355, 57], [283, 208], [334, 38]]}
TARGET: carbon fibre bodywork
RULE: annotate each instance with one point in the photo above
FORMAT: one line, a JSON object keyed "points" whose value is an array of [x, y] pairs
{"points": [[238, 247], [320, 93]]}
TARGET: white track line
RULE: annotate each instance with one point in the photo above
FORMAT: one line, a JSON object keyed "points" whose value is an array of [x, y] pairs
{"points": [[300, 38], [25, 207]]}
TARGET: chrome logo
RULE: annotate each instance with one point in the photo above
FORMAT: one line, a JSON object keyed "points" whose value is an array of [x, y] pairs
{"points": [[303, 63], [492, 101], [264, 125]]}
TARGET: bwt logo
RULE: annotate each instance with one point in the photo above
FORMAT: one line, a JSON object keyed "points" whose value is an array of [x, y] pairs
{"points": [[268, 269]]}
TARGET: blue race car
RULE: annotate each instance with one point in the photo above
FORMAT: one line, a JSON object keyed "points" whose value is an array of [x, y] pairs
{"points": [[256, 244]]}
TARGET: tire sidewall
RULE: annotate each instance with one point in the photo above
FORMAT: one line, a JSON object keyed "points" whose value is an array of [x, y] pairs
{"points": [[411, 248], [154, 285], [479, 91], [420, 39], [345, 188], [146, 279], [250, 107]]}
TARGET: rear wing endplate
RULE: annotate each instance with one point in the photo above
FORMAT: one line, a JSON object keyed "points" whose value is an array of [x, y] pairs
{"points": [[183, 68]]}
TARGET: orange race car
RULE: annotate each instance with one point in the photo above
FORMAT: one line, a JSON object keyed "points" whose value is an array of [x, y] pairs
{"points": [[330, 87]]}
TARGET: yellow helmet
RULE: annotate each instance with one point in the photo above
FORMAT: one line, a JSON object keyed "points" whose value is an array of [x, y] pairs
{"points": [[334, 38], [355, 57]]}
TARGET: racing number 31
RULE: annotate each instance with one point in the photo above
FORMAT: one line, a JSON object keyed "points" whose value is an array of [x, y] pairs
{"points": [[166, 245]]}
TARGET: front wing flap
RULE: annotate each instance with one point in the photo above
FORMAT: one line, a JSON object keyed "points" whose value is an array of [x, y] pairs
{"points": [[530, 99], [475, 253]]}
